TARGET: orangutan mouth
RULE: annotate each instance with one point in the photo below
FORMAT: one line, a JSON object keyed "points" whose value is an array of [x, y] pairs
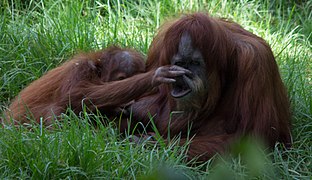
{"points": [[180, 88]]}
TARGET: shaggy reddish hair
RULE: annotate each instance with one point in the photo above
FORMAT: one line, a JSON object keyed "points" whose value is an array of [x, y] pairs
{"points": [[246, 94]]}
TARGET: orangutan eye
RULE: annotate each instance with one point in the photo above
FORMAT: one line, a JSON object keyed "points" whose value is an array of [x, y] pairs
{"points": [[121, 77], [180, 63], [196, 63]]}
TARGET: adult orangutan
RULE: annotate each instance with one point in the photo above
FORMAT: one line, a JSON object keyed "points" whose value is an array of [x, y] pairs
{"points": [[93, 79], [231, 86]]}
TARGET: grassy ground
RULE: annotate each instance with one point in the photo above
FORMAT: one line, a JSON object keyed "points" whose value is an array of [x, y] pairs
{"points": [[37, 35]]}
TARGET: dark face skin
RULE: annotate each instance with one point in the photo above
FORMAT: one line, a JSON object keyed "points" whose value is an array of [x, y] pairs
{"points": [[189, 87], [125, 66]]}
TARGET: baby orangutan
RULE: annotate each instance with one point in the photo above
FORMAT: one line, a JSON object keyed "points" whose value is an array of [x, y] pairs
{"points": [[92, 79]]}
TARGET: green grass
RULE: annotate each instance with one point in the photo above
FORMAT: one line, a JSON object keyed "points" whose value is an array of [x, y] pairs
{"points": [[37, 35]]}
